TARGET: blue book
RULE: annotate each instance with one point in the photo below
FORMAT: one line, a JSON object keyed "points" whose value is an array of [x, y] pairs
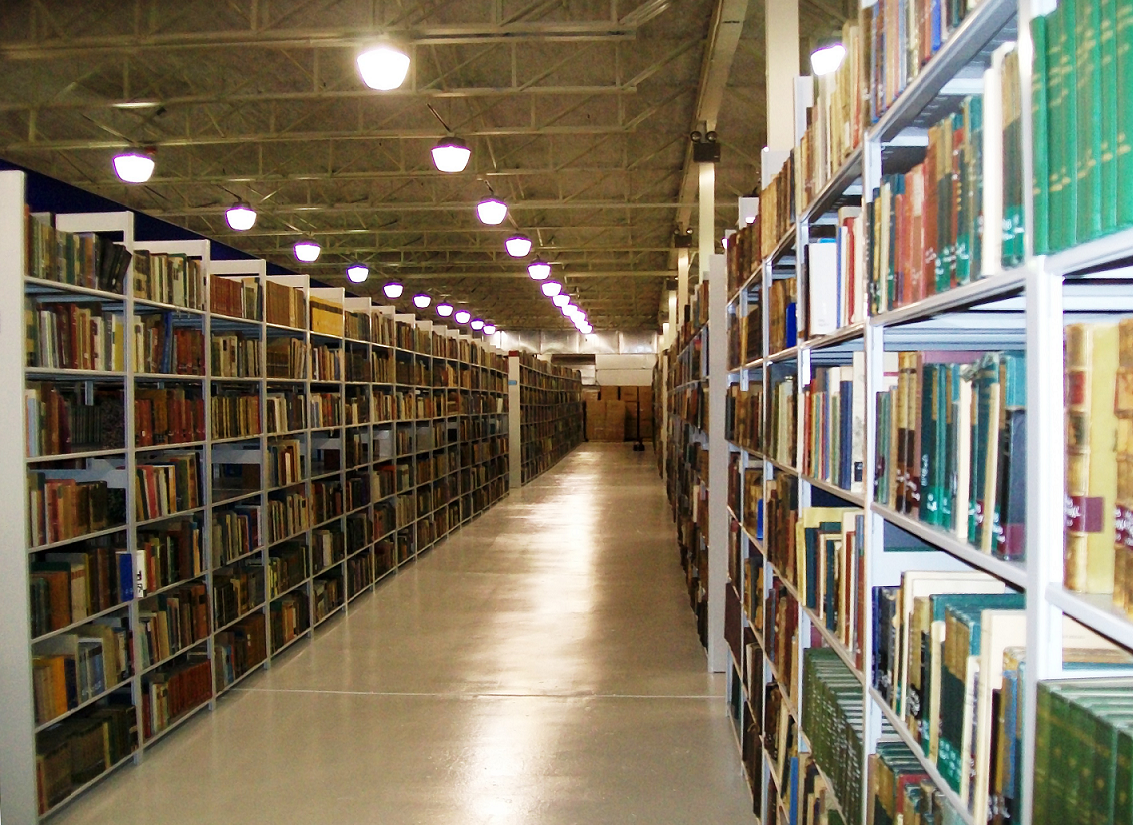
{"points": [[125, 575]]}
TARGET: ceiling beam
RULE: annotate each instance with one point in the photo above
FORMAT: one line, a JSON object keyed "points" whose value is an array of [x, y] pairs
{"points": [[723, 38], [571, 275], [40, 146], [393, 206], [345, 38]]}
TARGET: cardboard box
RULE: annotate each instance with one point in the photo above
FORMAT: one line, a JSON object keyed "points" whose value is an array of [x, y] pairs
{"points": [[595, 419], [645, 397], [590, 394], [608, 393], [629, 394]]}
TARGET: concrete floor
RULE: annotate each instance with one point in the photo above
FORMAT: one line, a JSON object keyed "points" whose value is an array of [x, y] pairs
{"points": [[540, 667]]}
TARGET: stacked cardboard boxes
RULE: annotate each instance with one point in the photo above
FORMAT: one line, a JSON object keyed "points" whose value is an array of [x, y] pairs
{"points": [[619, 413]]}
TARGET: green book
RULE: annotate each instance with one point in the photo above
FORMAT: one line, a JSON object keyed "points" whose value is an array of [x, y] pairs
{"points": [[1040, 159], [1124, 125], [962, 641], [1107, 159], [946, 445], [1087, 88], [962, 267], [929, 511], [1056, 125], [932, 664], [1069, 158], [975, 185]]}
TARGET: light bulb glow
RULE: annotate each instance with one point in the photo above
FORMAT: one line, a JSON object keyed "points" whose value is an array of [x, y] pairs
{"points": [[518, 246], [477, 324], [539, 271], [451, 155], [421, 300], [489, 329], [307, 251], [383, 67], [357, 273], [552, 288], [827, 59], [491, 211], [587, 329], [570, 310], [561, 300], [462, 317], [393, 289], [134, 166], [241, 217], [444, 310]]}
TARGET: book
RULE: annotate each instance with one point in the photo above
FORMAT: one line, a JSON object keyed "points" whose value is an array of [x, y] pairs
{"points": [[72, 418], [235, 413], [235, 297], [74, 336], [82, 259], [1091, 460], [169, 279]]}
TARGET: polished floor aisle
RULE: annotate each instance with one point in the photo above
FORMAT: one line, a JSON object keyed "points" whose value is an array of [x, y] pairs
{"points": [[539, 667]]}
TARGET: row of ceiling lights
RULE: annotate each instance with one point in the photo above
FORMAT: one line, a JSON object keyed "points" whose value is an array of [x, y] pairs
{"points": [[384, 68]]}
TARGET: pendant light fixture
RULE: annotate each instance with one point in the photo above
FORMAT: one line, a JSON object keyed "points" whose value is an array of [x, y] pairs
{"points": [[827, 58], [241, 216], [489, 329], [462, 316], [561, 300], [539, 270], [421, 300], [451, 154], [383, 67], [357, 273], [134, 166], [552, 288], [307, 251], [477, 324], [444, 310], [491, 211], [518, 246], [393, 290]]}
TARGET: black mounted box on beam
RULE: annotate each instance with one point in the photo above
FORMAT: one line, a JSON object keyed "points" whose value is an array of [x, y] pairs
{"points": [[706, 152]]}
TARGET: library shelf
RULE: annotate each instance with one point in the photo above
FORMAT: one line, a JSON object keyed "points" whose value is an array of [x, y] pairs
{"points": [[980, 27], [899, 728], [42, 726], [152, 666], [1012, 572], [1095, 611], [247, 305]]}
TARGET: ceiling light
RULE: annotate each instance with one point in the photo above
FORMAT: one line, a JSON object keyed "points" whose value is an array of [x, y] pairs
{"points": [[444, 310], [241, 217], [561, 300], [357, 273], [518, 246], [477, 324], [569, 310], [393, 289], [383, 67], [451, 155], [421, 300], [539, 270], [827, 59], [307, 251], [462, 316], [492, 211], [587, 329], [489, 329], [134, 166], [552, 288]]}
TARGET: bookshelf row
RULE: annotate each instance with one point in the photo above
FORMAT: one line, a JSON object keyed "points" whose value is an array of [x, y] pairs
{"points": [[217, 462], [551, 414], [901, 493]]}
